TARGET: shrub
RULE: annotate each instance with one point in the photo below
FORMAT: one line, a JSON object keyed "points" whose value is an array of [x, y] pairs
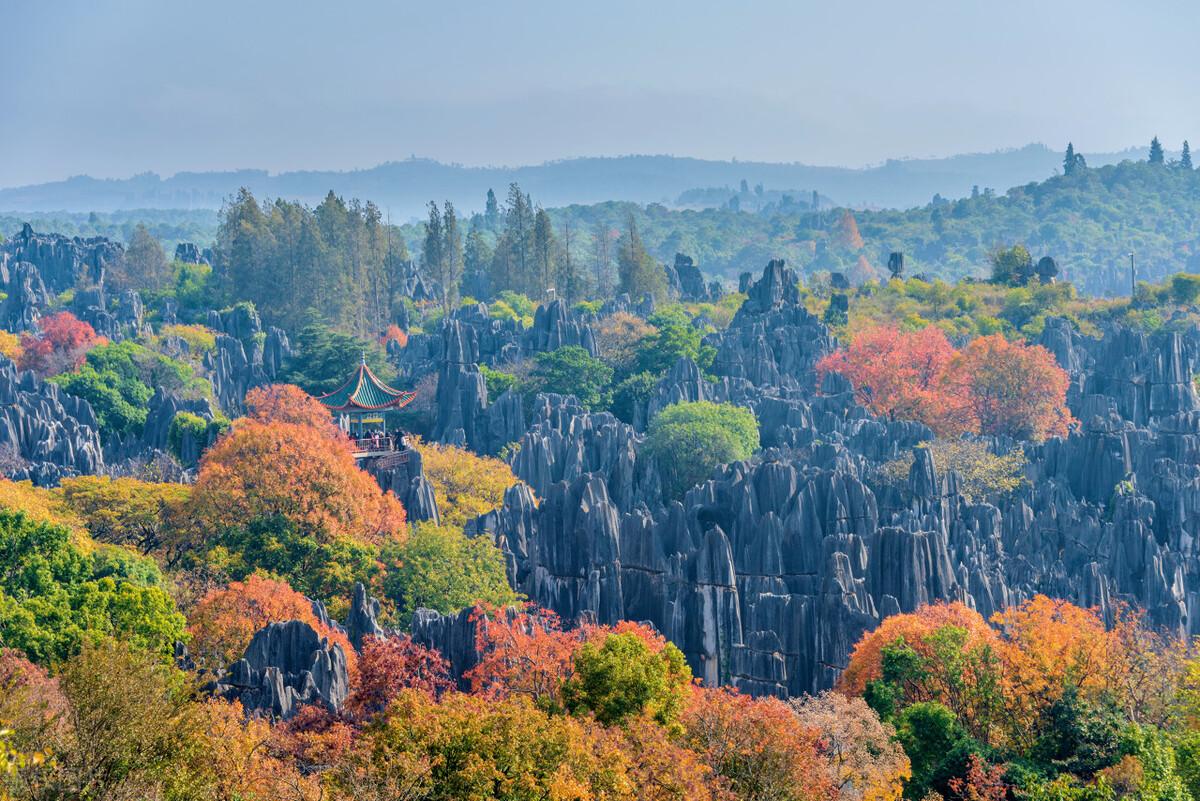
{"points": [[688, 440]]}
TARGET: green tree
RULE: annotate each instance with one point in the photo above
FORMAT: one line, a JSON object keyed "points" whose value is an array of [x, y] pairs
{"points": [[674, 338], [1073, 162], [688, 440], [491, 211], [144, 265], [933, 740], [513, 261], [433, 255], [440, 568], [54, 597], [477, 258], [1185, 157], [624, 678], [1012, 266], [633, 393], [637, 270], [571, 370], [545, 253], [323, 358], [1156, 151]]}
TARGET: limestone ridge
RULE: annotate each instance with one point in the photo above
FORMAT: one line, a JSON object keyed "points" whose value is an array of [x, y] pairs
{"points": [[766, 574]]}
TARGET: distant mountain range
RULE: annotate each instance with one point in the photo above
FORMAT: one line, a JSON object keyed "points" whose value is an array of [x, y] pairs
{"points": [[402, 188]]}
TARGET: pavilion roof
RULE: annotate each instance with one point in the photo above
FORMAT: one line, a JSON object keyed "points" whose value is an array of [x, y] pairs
{"points": [[364, 392]]}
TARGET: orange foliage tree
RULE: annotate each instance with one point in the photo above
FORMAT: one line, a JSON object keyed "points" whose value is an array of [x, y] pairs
{"points": [[263, 470], [758, 748], [226, 619], [900, 375], [394, 333], [865, 761], [1010, 388], [243, 763], [60, 344], [959, 654], [287, 403], [846, 233], [1049, 644]]}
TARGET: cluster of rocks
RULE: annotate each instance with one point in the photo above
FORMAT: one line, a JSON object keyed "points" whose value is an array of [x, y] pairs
{"points": [[48, 435], [686, 282], [245, 356], [62, 262], [767, 574]]}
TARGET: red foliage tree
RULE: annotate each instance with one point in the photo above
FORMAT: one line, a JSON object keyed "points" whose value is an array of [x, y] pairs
{"points": [[982, 782], [60, 345], [524, 653], [387, 666], [900, 375], [1010, 388]]}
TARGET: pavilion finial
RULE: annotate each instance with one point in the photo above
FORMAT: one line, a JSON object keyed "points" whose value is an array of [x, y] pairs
{"points": [[364, 357]]}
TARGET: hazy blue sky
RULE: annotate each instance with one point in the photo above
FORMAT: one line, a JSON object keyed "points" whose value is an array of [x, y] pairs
{"points": [[115, 88]]}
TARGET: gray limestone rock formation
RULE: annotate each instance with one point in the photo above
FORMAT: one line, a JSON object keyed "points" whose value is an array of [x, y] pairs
{"points": [[54, 434], [766, 574], [286, 666], [64, 262]]}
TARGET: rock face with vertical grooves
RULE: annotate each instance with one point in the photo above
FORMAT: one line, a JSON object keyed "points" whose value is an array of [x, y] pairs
{"points": [[286, 666], [64, 262], [53, 433], [767, 573]]}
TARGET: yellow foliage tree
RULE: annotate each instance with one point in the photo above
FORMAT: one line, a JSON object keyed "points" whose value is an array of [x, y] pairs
{"points": [[466, 485]]}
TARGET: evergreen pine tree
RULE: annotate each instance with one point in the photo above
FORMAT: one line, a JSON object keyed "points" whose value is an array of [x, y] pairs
{"points": [[545, 253], [452, 255], [433, 252], [639, 273], [1185, 158], [602, 259], [491, 211], [1156, 151], [477, 257], [1069, 160]]}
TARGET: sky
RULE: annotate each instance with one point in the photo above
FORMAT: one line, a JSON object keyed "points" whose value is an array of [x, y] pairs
{"points": [[111, 88]]}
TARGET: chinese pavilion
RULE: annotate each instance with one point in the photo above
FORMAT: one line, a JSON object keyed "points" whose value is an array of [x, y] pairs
{"points": [[360, 404]]}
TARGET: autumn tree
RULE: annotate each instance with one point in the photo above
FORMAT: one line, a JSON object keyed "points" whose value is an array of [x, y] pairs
{"points": [[262, 470], [390, 665], [242, 761], [1009, 389], [226, 619], [465, 485], [523, 652], [865, 762], [759, 746], [60, 344], [287, 403], [899, 375], [125, 511], [617, 339], [467, 746], [943, 653], [846, 233]]}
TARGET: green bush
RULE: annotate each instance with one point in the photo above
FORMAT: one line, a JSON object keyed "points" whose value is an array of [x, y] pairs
{"points": [[624, 678], [688, 440], [571, 370], [498, 382], [54, 597], [631, 394], [440, 568]]}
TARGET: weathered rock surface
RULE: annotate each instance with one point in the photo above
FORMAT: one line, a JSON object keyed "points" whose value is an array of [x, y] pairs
{"points": [[62, 261], [53, 433], [286, 666], [766, 574]]}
